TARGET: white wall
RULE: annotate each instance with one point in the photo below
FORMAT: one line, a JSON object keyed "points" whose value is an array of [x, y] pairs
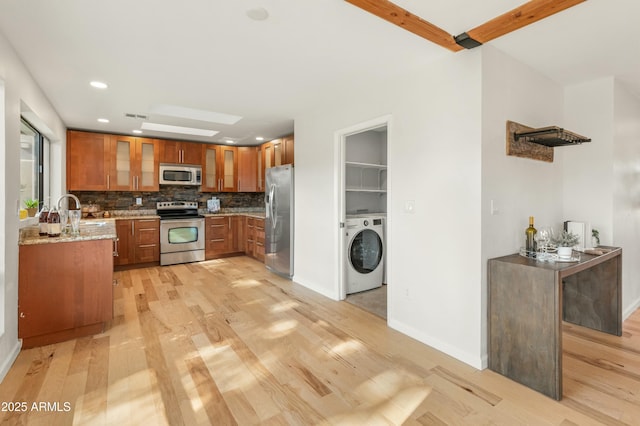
{"points": [[434, 152], [518, 187], [602, 181], [588, 171], [19, 89], [626, 193]]}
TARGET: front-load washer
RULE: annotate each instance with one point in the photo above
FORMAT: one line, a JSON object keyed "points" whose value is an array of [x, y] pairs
{"points": [[365, 253]]}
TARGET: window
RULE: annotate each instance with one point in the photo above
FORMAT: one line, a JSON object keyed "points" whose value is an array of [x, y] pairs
{"points": [[34, 161]]}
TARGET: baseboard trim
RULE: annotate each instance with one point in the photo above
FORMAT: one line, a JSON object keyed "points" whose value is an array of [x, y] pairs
{"points": [[631, 309], [10, 359], [476, 362]]}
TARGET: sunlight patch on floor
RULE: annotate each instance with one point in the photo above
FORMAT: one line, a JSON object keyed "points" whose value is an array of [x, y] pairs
{"points": [[348, 347], [388, 398], [281, 328], [284, 306], [246, 283]]}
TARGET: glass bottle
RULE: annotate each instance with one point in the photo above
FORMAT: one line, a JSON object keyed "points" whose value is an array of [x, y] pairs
{"points": [[54, 222], [530, 234], [42, 221]]}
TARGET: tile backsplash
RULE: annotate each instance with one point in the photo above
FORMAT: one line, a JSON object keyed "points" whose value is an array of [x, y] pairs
{"points": [[121, 200]]}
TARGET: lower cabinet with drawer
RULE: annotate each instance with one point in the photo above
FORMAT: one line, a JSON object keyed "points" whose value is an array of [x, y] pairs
{"points": [[138, 241], [224, 236], [254, 232]]}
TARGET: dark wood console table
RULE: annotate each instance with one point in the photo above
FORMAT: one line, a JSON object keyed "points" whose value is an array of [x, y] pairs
{"points": [[528, 300]]}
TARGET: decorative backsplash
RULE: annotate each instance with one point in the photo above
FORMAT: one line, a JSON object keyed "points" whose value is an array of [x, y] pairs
{"points": [[120, 200]]}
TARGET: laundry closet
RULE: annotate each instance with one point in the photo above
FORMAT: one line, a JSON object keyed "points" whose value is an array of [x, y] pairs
{"points": [[365, 171]]}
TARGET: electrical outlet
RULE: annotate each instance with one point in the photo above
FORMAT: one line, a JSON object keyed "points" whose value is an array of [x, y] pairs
{"points": [[138, 201]]}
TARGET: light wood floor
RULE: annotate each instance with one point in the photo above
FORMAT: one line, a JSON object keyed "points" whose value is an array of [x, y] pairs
{"points": [[225, 342]]}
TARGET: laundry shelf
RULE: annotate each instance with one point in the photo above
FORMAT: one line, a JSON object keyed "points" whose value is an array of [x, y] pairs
{"points": [[380, 191], [365, 165]]}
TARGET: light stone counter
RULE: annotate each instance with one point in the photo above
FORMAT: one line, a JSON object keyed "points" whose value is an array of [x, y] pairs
{"points": [[93, 229]]}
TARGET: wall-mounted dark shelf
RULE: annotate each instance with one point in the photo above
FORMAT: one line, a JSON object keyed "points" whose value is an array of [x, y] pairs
{"points": [[551, 136]]}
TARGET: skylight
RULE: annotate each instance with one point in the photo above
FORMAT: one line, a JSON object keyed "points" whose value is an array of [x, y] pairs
{"points": [[177, 129], [194, 114]]}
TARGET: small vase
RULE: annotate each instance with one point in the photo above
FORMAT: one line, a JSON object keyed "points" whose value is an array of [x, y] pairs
{"points": [[32, 212], [565, 252]]}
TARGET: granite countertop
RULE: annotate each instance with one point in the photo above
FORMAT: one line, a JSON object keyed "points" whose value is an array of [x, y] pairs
{"points": [[259, 214], [93, 229], [151, 214]]}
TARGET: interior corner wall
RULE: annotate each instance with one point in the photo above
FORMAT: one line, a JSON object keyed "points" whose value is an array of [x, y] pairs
{"points": [[514, 187], [19, 89], [588, 110], [626, 193], [434, 155], [609, 114]]}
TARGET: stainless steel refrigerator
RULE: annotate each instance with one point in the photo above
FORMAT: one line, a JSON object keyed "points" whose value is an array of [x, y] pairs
{"points": [[278, 227]]}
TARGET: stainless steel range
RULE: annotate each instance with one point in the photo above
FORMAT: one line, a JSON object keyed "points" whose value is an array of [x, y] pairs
{"points": [[181, 232]]}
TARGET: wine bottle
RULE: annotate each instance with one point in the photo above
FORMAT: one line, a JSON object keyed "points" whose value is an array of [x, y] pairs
{"points": [[54, 223], [43, 226], [530, 242]]}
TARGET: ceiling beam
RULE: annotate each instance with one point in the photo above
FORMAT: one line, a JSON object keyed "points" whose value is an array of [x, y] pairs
{"points": [[519, 17], [407, 20]]}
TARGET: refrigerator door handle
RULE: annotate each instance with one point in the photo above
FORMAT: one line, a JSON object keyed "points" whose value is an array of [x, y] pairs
{"points": [[272, 194]]}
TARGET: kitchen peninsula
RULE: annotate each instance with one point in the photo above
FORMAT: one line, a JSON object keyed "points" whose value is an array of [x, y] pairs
{"points": [[65, 283]]}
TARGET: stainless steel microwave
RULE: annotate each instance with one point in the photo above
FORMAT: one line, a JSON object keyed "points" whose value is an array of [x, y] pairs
{"points": [[180, 174]]}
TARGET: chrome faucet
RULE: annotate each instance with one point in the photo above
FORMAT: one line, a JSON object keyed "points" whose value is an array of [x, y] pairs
{"points": [[69, 196]]}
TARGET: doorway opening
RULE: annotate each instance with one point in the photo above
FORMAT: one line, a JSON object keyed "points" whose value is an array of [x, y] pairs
{"points": [[363, 211]]}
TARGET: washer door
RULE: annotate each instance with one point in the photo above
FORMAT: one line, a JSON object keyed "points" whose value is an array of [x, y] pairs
{"points": [[365, 252]]}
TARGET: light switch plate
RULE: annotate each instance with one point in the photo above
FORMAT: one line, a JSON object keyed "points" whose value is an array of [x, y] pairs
{"points": [[138, 201]]}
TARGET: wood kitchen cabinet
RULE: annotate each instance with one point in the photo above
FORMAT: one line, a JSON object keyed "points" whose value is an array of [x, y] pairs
{"points": [[138, 241], [287, 149], [260, 166], [277, 153], [179, 152], [219, 168], [65, 290], [259, 239], [254, 237], [134, 164], [224, 235], [247, 169], [88, 161]]}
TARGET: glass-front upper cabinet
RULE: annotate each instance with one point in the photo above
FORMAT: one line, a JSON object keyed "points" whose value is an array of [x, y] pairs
{"points": [[146, 165], [135, 164], [220, 168], [229, 168], [210, 170]]}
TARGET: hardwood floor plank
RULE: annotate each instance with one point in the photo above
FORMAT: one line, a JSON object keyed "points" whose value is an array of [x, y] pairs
{"points": [[227, 342], [213, 402]]}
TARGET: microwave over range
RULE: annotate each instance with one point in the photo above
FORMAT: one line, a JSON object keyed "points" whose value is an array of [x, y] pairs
{"points": [[180, 174]]}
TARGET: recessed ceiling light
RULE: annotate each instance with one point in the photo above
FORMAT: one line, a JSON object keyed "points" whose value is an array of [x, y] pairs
{"points": [[194, 114], [103, 120], [137, 132], [258, 13], [99, 84], [259, 138], [178, 129]]}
